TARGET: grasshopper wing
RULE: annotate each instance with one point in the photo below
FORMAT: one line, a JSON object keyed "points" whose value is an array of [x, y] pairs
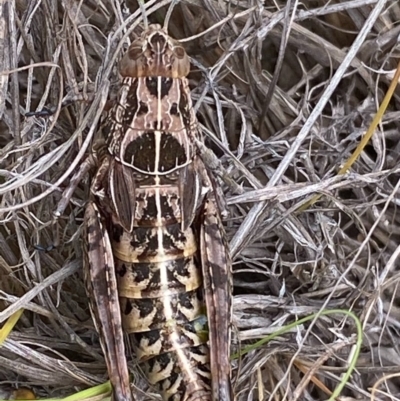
{"points": [[101, 286], [217, 275]]}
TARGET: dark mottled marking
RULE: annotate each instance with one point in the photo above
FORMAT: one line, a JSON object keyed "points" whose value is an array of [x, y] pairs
{"points": [[128, 307], [190, 327], [141, 197], [143, 108], [150, 212], [142, 271], [140, 152], [145, 306], [172, 153], [173, 378], [152, 336], [152, 245], [181, 387], [200, 294], [155, 280], [166, 210], [185, 299], [121, 270], [174, 230], [140, 236], [205, 369], [166, 84], [180, 266], [169, 244], [128, 114], [163, 360], [174, 109], [131, 104], [197, 350], [152, 86], [117, 232]]}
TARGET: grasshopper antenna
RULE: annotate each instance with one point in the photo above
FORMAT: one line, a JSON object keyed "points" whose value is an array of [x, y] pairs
{"points": [[169, 12], [144, 14]]}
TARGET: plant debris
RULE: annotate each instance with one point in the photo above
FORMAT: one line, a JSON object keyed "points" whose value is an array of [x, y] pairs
{"points": [[284, 95]]}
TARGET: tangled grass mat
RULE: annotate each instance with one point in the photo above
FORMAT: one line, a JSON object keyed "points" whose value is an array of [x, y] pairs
{"points": [[285, 93]]}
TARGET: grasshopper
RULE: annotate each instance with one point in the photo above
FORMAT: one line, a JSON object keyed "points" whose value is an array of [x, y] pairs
{"points": [[157, 268]]}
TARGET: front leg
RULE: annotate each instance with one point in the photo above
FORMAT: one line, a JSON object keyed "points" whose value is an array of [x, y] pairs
{"points": [[214, 166], [98, 153]]}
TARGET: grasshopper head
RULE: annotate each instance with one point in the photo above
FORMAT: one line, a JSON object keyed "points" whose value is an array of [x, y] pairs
{"points": [[155, 54]]}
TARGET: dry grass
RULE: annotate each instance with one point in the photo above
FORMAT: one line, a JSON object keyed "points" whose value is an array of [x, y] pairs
{"points": [[285, 96]]}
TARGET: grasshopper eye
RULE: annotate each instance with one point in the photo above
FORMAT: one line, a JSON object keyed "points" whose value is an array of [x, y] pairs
{"points": [[179, 52], [135, 52]]}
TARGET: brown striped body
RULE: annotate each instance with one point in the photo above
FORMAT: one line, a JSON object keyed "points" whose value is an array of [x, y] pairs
{"points": [[149, 194]]}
